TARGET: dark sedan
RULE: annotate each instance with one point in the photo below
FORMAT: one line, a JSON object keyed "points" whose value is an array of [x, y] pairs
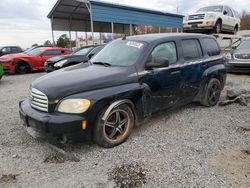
{"points": [[239, 58], [81, 55]]}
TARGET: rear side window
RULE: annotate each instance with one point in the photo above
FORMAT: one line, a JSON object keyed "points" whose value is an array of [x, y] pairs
{"points": [[53, 52], [15, 50], [191, 49], [212, 47], [166, 50]]}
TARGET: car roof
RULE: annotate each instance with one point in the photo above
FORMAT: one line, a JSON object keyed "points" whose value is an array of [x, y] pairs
{"points": [[52, 48], [164, 36]]}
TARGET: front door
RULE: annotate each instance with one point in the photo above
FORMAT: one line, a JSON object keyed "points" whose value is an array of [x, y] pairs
{"points": [[163, 83]]}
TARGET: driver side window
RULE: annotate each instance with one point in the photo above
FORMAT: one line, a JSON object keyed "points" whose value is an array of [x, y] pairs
{"points": [[166, 51]]}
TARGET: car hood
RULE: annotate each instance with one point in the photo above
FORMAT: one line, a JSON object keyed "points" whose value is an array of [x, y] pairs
{"points": [[66, 57], [12, 56], [83, 77]]}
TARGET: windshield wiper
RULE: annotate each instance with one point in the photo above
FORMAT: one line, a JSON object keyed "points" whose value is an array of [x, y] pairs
{"points": [[102, 63]]}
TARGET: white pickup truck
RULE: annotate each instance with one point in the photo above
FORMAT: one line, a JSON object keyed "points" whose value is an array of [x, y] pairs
{"points": [[213, 18]]}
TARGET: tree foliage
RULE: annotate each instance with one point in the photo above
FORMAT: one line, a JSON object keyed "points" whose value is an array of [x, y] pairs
{"points": [[245, 21], [64, 42], [47, 43]]}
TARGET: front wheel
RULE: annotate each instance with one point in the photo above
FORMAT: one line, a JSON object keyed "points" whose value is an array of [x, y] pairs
{"points": [[116, 128], [212, 93], [22, 68], [217, 27]]}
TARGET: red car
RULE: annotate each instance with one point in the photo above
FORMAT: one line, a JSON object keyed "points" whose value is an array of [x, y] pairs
{"points": [[32, 60]]}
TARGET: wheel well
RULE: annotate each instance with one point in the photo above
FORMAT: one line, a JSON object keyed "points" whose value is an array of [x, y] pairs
{"points": [[219, 20], [23, 62], [115, 104]]}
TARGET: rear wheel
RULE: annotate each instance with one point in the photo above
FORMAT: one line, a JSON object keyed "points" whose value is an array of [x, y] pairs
{"points": [[22, 68], [212, 93], [116, 128], [217, 27]]}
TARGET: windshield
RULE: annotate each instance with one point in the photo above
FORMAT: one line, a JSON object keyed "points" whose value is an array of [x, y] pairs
{"points": [[83, 51], [33, 52], [244, 45], [211, 9], [119, 53]]}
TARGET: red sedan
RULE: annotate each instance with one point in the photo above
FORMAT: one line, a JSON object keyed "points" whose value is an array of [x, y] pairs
{"points": [[32, 60]]}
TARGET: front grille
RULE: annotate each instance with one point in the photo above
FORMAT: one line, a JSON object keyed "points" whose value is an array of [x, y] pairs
{"points": [[196, 17], [38, 100], [242, 56]]}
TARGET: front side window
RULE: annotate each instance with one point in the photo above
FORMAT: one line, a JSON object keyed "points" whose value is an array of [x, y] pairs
{"points": [[165, 50], [120, 53], [6, 50], [212, 47], [191, 49]]}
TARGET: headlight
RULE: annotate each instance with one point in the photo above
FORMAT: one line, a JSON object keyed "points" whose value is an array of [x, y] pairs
{"points": [[60, 63], [228, 56], [73, 106], [210, 16]]}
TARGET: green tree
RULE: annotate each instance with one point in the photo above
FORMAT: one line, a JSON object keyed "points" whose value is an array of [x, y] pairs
{"points": [[47, 43], [63, 41]]}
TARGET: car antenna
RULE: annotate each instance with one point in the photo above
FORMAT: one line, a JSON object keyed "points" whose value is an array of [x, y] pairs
{"points": [[124, 37]]}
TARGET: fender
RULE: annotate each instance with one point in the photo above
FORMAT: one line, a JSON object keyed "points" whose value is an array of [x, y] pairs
{"points": [[118, 103], [216, 71]]}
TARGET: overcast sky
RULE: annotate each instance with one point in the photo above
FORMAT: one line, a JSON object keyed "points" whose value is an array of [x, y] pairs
{"points": [[24, 22]]}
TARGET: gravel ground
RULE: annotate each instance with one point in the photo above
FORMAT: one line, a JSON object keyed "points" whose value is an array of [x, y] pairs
{"points": [[193, 146]]}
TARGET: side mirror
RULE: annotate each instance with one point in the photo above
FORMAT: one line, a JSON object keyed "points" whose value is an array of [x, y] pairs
{"points": [[234, 47], [159, 63], [225, 12], [90, 56]]}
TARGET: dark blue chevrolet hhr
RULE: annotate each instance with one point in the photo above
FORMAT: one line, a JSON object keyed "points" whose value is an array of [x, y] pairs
{"points": [[128, 81]]}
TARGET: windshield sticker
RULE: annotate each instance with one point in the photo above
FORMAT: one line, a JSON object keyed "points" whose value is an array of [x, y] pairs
{"points": [[134, 44]]}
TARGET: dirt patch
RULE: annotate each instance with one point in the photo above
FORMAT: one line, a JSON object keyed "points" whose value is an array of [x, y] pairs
{"points": [[55, 158], [234, 165], [8, 178], [128, 176]]}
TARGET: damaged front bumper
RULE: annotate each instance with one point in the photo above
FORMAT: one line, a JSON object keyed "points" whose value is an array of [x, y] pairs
{"points": [[53, 127]]}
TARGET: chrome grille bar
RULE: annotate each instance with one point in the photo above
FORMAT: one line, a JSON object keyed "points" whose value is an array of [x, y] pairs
{"points": [[38, 100]]}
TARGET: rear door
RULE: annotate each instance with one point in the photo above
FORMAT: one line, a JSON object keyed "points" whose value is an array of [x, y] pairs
{"points": [[164, 83], [192, 69]]}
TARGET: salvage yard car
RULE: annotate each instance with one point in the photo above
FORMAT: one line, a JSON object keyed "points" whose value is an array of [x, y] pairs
{"points": [[29, 61], [81, 55], [4, 50], [239, 58], [213, 18], [126, 82]]}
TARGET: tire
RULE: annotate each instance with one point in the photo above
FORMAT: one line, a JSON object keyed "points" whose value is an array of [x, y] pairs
{"points": [[212, 93], [22, 68], [116, 128], [217, 27], [235, 30]]}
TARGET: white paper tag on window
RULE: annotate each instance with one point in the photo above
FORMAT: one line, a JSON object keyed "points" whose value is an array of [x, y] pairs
{"points": [[134, 44]]}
